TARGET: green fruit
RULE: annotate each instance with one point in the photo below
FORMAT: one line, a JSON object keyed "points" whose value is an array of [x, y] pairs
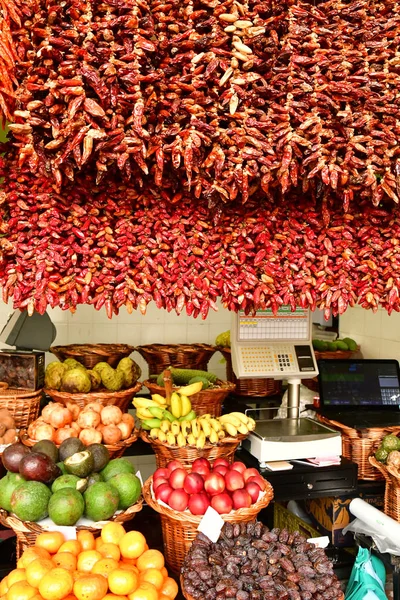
{"points": [[101, 456], [390, 442], [71, 363], [66, 507], [69, 446], [341, 345], [100, 366], [30, 500], [128, 487], [352, 345], [204, 381], [76, 381], [8, 484], [116, 466], [47, 447], [160, 380], [53, 375], [65, 481], [80, 463], [62, 468], [101, 501], [381, 454], [93, 478], [320, 345], [332, 346]]}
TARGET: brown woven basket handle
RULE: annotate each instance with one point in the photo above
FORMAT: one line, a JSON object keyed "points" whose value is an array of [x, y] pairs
{"points": [[168, 384], [3, 385]]}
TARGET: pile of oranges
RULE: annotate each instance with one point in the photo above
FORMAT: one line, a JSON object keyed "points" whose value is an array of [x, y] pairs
{"points": [[118, 565]]}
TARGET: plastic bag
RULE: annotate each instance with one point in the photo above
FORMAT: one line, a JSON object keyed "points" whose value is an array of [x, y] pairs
{"points": [[367, 579]]}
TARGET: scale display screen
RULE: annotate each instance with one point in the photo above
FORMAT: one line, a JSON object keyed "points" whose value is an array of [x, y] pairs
{"points": [[264, 325]]}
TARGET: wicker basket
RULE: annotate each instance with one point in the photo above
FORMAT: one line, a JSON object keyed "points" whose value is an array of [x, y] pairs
{"points": [[27, 531], [91, 354], [334, 354], [104, 397], [249, 387], [183, 356], [391, 503], [115, 450], [187, 454], [205, 402], [180, 528], [23, 406], [357, 446]]}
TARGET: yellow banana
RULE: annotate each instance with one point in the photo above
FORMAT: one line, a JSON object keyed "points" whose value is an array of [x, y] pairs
{"points": [[143, 413], [216, 425], [162, 436], [206, 427], [175, 427], [243, 429], [206, 416], [201, 440], [213, 437], [171, 441], [251, 424], [176, 405], [193, 388], [230, 429], [186, 405], [232, 420], [195, 428], [143, 403], [165, 426], [185, 428], [191, 440], [221, 434], [159, 399], [154, 433], [181, 440], [241, 416]]}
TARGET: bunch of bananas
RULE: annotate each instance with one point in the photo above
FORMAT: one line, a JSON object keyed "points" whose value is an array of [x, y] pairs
{"points": [[152, 412], [201, 430]]}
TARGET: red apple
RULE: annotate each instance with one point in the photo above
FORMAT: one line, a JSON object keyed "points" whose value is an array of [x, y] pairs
{"points": [[161, 472], [252, 472], [174, 464], [178, 500], [163, 492], [234, 480], [201, 461], [220, 469], [254, 490], [177, 478], [198, 503], [238, 466], [259, 481], [193, 483], [241, 499], [222, 503], [201, 469], [221, 462], [214, 483], [158, 482]]}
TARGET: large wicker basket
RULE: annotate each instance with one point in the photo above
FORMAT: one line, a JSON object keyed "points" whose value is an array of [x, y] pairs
{"points": [[183, 356], [91, 354], [249, 387], [187, 454], [180, 528], [391, 502], [204, 402], [23, 406], [27, 531], [104, 397], [116, 450], [357, 446]]}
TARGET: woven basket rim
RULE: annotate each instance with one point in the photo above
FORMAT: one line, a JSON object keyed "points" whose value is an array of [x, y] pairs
{"points": [[95, 393], [143, 434], [93, 348], [153, 348], [111, 447], [20, 394], [187, 517], [226, 386]]}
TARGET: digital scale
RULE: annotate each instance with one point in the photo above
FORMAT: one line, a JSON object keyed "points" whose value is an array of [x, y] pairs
{"points": [[280, 347]]}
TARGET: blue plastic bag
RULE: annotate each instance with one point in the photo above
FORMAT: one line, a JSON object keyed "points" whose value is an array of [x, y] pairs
{"points": [[367, 579]]}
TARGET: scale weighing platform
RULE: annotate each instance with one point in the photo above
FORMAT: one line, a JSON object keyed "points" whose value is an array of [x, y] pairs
{"points": [[278, 346]]}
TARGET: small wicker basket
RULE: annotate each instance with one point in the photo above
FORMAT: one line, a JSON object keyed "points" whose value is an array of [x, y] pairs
{"points": [[180, 528], [104, 397], [22, 405], [334, 354], [249, 387], [183, 356], [205, 402], [116, 450], [391, 502], [187, 454], [357, 446], [91, 354], [27, 531]]}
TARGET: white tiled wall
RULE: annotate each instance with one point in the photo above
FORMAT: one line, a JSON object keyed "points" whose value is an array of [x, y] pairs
{"points": [[378, 334]]}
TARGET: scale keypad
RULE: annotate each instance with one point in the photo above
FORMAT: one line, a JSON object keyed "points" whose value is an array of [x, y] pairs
{"points": [[257, 359]]}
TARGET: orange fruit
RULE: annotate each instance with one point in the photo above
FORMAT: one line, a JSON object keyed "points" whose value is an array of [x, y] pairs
{"points": [[163, 597], [104, 566], [164, 572], [72, 546], [129, 566], [90, 587], [21, 590], [112, 532], [37, 569], [112, 597], [4, 585], [50, 541], [153, 576], [122, 581], [169, 588], [99, 542], [86, 539], [145, 591], [132, 544], [77, 574], [16, 575], [66, 560], [109, 550], [31, 554], [150, 559], [56, 584], [87, 559]]}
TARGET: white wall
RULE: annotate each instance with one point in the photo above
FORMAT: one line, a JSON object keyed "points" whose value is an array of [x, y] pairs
{"points": [[378, 334]]}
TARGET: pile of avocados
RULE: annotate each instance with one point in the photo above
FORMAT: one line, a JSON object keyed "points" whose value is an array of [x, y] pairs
{"points": [[339, 344], [66, 483]]}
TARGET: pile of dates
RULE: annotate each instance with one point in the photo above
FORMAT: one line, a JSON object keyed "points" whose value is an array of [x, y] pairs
{"points": [[250, 562]]}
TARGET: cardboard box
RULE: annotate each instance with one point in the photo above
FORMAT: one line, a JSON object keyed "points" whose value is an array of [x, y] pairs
{"points": [[22, 369], [331, 515]]}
